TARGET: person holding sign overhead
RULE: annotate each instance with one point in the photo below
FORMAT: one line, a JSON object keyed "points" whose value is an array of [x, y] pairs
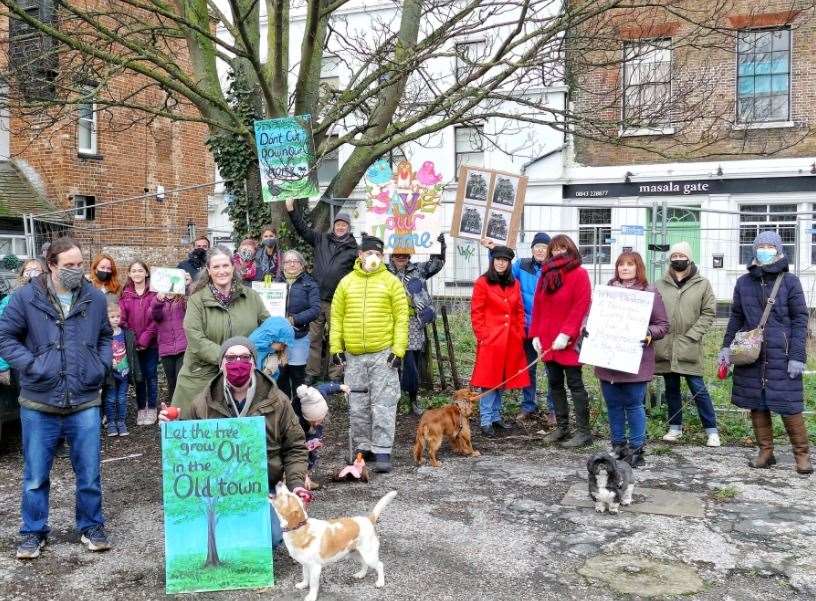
{"points": [[625, 393], [219, 307], [560, 306]]}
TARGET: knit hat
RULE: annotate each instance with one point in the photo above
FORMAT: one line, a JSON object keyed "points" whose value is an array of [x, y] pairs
{"points": [[343, 216], [236, 341], [769, 237], [502, 252], [681, 248], [540, 238], [371, 243], [312, 404]]}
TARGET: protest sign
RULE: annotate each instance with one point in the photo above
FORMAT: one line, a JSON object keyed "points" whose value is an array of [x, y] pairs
{"points": [[617, 322], [168, 280], [217, 533], [404, 207], [273, 296], [489, 204], [286, 157]]}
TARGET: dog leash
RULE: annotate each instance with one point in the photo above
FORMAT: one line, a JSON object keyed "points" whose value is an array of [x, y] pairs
{"points": [[519, 372]]}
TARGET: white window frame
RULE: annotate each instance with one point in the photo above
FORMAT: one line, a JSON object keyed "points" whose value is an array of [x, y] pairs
{"points": [[765, 221], [84, 124], [604, 230], [88, 207], [780, 121], [636, 55], [15, 243], [474, 154]]}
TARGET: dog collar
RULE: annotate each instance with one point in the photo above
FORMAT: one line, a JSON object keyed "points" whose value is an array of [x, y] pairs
{"points": [[293, 528]]}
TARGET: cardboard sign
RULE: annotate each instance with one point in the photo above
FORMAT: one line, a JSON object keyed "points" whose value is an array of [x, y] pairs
{"points": [[286, 156], [273, 296], [617, 322], [404, 207], [489, 204], [217, 529], [168, 280]]}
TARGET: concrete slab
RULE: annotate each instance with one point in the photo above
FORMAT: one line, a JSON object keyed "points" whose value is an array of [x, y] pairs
{"points": [[646, 500]]}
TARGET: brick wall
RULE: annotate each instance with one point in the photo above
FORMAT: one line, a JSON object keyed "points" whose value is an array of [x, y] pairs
{"points": [[703, 77]]}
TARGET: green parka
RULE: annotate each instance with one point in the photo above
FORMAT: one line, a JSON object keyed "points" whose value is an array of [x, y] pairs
{"points": [[691, 310]]}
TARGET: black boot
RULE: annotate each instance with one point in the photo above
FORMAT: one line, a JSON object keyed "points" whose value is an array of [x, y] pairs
{"points": [[383, 463], [583, 435], [561, 430], [635, 458], [620, 450]]}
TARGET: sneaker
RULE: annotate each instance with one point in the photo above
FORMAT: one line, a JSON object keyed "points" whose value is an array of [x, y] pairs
{"points": [[112, 430], [489, 431], [151, 417], [713, 440], [30, 546], [140, 417], [673, 435], [123, 431], [95, 539]]}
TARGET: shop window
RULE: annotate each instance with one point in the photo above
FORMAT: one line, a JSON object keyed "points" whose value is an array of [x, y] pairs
{"points": [[595, 235], [767, 217], [763, 76], [469, 146], [329, 165], [646, 84], [84, 207]]}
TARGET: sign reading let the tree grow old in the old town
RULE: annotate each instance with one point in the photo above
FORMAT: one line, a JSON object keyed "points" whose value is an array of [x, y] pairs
{"points": [[286, 157], [217, 531]]}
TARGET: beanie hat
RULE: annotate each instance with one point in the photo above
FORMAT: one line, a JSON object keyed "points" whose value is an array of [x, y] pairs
{"points": [[681, 248], [769, 237], [540, 238], [343, 216], [312, 404], [502, 252], [371, 243], [236, 341]]}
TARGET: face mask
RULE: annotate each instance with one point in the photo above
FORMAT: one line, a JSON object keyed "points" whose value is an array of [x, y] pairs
{"points": [[238, 373], [246, 254], [269, 242], [371, 262], [199, 254], [30, 274], [680, 264], [765, 255], [71, 277], [103, 276]]}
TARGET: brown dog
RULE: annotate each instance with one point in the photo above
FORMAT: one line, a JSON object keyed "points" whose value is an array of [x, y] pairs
{"points": [[450, 421]]}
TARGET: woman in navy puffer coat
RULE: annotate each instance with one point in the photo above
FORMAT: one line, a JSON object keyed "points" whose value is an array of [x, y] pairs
{"points": [[774, 382]]}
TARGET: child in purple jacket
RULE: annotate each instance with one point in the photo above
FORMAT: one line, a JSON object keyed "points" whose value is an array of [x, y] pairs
{"points": [[168, 312]]}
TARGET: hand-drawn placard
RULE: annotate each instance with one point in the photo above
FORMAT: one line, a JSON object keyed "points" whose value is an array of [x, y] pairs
{"points": [[273, 296], [217, 530], [404, 208], [489, 204], [168, 280], [286, 157], [617, 322]]}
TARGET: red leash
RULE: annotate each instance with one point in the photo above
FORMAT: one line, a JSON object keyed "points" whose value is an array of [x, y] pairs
{"points": [[521, 371]]}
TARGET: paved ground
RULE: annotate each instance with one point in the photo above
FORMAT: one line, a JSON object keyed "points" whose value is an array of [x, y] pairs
{"points": [[493, 528]]}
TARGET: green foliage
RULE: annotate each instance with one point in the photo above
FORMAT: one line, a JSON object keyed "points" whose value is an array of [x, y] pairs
{"points": [[724, 494], [247, 566], [12, 262]]}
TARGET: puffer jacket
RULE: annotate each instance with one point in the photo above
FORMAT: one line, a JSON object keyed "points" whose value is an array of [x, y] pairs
{"points": [[286, 453], [169, 318], [785, 338], [62, 362], [302, 302], [691, 309], [333, 257], [369, 313], [137, 315], [527, 272]]}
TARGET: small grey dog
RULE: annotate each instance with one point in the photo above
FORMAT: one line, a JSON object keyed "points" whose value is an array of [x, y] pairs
{"points": [[611, 482]]}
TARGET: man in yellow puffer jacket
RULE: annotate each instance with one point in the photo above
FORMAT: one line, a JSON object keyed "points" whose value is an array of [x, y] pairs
{"points": [[368, 336]]}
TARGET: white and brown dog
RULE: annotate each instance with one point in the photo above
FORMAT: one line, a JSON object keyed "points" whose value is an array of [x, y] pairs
{"points": [[314, 543]]}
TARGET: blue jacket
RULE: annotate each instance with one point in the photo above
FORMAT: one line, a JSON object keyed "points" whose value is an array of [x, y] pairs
{"points": [[785, 336], [273, 329], [62, 363], [302, 302], [527, 272]]}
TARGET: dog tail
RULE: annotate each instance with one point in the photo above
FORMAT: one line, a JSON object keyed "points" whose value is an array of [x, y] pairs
{"points": [[374, 516], [419, 444]]}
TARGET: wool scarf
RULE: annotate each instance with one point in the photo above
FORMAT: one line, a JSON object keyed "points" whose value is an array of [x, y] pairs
{"points": [[224, 299], [553, 270]]}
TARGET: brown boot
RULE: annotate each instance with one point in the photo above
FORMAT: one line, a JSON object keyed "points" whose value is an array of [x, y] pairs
{"points": [[763, 432], [798, 434]]}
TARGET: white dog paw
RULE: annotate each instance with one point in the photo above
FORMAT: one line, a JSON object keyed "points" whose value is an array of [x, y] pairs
{"points": [[614, 509], [301, 585], [360, 575], [380, 582], [626, 502], [600, 508], [310, 597]]}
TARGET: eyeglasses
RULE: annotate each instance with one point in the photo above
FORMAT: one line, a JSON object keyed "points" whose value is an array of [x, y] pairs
{"points": [[239, 358]]}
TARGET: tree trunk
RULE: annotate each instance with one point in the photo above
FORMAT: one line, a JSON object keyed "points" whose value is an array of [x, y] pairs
{"points": [[212, 549]]}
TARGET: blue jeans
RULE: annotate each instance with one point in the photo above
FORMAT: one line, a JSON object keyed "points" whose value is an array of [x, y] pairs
{"points": [[490, 407], [529, 403], [624, 405], [41, 431], [699, 392], [116, 402], [147, 391]]}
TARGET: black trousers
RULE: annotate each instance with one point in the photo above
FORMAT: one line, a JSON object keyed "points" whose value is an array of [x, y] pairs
{"points": [[292, 376], [172, 367]]}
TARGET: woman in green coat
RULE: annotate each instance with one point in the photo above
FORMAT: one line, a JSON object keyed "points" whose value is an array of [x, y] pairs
{"points": [[219, 308]]}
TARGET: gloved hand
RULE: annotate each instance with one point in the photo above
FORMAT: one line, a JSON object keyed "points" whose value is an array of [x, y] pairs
{"points": [[394, 361], [5, 378], [339, 359], [795, 369], [646, 341], [443, 247], [560, 343], [724, 356], [304, 494], [537, 345]]}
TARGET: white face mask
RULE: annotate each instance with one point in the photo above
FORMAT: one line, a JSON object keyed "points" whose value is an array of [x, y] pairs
{"points": [[371, 262]]}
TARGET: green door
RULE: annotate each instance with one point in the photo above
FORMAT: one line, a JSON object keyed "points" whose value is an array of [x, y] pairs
{"points": [[681, 225]]}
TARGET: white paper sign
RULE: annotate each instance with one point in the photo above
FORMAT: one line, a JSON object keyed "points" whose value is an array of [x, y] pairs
{"points": [[167, 280], [618, 321], [273, 296]]}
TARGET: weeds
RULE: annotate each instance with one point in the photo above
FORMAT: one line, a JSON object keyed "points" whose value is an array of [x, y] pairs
{"points": [[724, 494]]}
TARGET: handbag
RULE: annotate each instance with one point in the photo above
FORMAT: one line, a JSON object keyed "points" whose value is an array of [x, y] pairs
{"points": [[746, 346]]}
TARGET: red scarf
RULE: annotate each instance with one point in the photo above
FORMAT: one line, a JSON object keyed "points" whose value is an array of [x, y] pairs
{"points": [[553, 270]]}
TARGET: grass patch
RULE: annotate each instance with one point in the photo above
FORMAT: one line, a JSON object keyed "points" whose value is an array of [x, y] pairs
{"points": [[661, 450], [238, 569], [724, 494]]}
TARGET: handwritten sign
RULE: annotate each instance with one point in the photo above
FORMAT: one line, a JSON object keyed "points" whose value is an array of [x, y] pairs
{"points": [[273, 296], [617, 322], [217, 530], [286, 157], [403, 207], [168, 280]]}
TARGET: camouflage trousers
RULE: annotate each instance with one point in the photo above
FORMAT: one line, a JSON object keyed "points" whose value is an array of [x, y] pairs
{"points": [[372, 414]]}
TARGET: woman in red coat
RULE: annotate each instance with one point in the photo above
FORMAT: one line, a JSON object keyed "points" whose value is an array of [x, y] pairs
{"points": [[497, 315], [560, 305]]}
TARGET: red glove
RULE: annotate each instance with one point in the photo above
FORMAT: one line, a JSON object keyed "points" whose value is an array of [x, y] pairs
{"points": [[304, 494]]}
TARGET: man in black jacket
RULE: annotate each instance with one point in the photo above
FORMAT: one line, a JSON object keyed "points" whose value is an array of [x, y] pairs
{"points": [[334, 254], [197, 258]]}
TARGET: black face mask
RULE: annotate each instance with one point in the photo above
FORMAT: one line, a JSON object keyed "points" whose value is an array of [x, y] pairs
{"points": [[199, 255], [103, 276], [680, 264]]}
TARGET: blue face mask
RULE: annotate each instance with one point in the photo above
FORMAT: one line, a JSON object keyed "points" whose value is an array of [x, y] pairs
{"points": [[765, 255]]}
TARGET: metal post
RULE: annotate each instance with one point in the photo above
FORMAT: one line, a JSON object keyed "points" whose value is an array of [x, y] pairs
{"points": [[25, 233], [796, 250], [595, 252], [654, 241]]}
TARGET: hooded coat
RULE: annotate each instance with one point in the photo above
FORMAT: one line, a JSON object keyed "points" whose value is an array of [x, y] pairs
{"points": [[137, 314]]}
